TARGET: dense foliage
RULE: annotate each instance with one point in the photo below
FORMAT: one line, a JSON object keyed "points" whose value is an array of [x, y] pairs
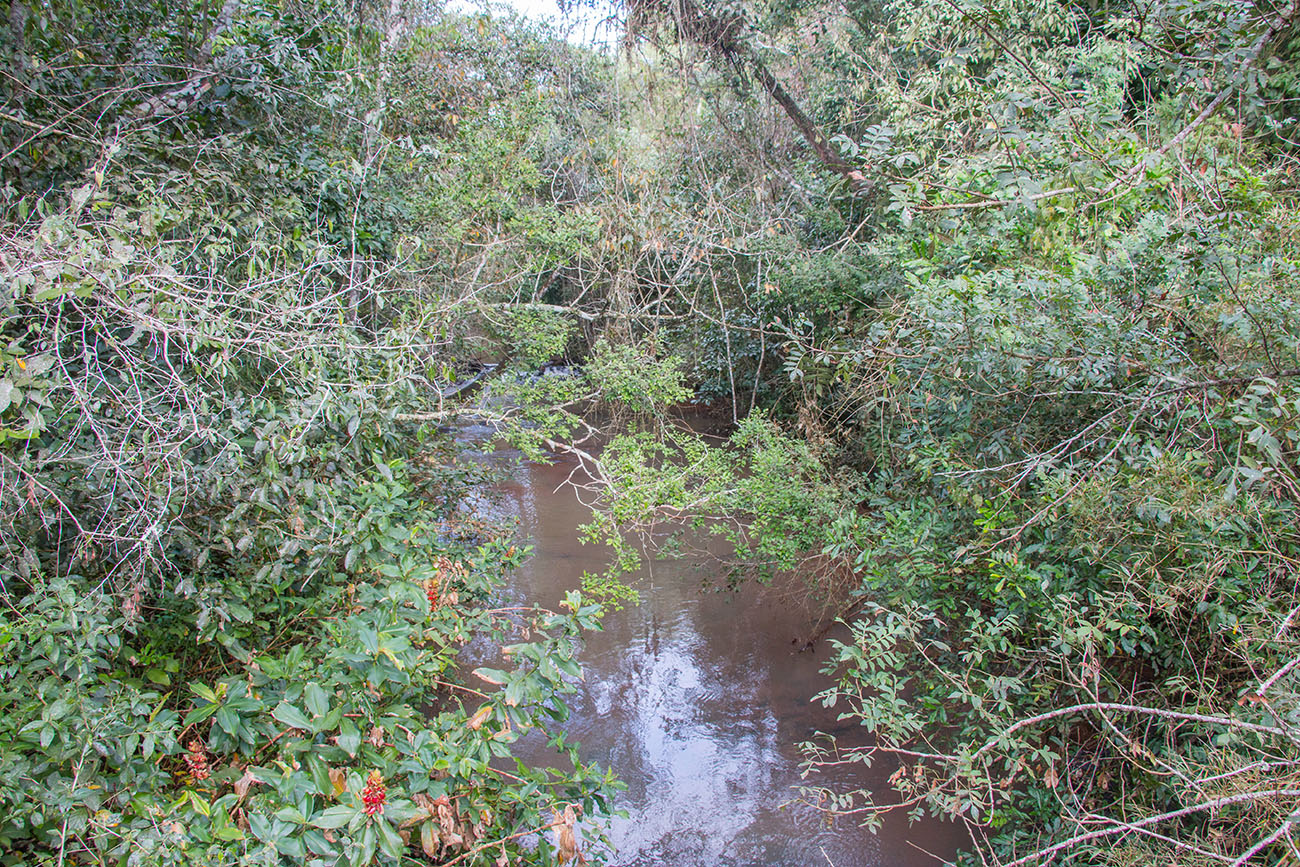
{"points": [[1028, 345], [1000, 298], [236, 583]]}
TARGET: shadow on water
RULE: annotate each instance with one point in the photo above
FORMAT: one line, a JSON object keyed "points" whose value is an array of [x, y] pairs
{"points": [[697, 700]]}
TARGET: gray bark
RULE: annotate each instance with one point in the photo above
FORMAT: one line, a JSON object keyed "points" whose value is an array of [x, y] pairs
{"points": [[186, 94], [18, 14]]}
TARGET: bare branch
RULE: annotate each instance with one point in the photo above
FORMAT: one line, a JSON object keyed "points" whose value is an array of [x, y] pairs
{"points": [[1122, 827]]}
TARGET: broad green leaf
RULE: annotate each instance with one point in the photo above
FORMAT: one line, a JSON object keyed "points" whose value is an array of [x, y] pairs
{"points": [[228, 719], [203, 692], [291, 814], [335, 817], [199, 714], [317, 699], [320, 775], [291, 716], [349, 737], [389, 841]]}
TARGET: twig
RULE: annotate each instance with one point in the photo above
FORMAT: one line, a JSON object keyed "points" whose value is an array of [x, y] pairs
{"points": [[1279, 23], [515, 836], [996, 203], [1262, 844], [1127, 708], [1124, 827]]}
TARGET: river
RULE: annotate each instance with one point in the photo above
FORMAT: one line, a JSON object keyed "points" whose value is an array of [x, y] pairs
{"points": [[697, 700]]}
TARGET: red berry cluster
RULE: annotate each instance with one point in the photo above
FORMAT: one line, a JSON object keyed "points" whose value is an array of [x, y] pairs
{"points": [[197, 760], [374, 794], [431, 592]]}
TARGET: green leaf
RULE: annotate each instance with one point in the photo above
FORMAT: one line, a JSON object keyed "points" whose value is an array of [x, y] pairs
{"points": [[199, 714], [320, 776], [317, 843], [228, 720], [349, 738], [318, 701], [335, 817], [402, 809], [366, 852], [569, 666], [291, 814], [291, 846], [389, 841], [261, 827], [203, 692], [369, 639], [58, 290], [291, 716], [198, 803]]}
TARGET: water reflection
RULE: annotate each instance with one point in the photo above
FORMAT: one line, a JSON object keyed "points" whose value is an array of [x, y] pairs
{"points": [[697, 700]]}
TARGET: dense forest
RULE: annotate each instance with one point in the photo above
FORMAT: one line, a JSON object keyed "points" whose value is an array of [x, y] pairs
{"points": [[999, 299]]}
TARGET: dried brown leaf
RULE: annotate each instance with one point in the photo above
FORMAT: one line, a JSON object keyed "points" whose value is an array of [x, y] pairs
{"points": [[480, 716], [429, 841], [566, 840], [447, 818], [244, 783]]}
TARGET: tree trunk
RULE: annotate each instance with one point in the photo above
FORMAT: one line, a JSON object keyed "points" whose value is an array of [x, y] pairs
{"points": [[723, 37], [185, 95], [18, 14], [811, 134]]}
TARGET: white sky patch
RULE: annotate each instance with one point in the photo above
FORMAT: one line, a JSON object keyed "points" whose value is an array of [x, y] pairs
{"points": [[582, 25]]}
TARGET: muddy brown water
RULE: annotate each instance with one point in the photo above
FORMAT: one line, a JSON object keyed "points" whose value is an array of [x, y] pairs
{"points": [[697, 700]]}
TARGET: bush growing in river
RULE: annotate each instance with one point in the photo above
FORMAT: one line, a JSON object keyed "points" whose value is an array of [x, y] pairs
{"points": [[281, 751]]}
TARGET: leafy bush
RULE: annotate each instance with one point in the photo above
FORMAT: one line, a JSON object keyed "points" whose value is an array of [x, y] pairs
{"points": [[234, 584]]}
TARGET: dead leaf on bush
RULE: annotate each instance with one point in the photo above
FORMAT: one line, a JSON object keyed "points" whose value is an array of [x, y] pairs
{"points": [[480, 716], [339, 780], [429, 841], [243, 784], [566, 840]]}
